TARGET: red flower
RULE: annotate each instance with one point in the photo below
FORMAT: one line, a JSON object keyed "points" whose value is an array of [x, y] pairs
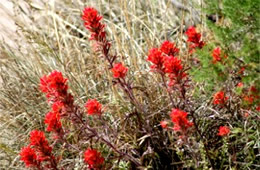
{"points": [[93, 158], [252, 95], [29, 157], [258, 108], [92, 23], [119, 70], [169, 48], [52, 119], [240, 84], [57, 106], [249, 99], [242, 70], [93, 107], [172, 65], [164, 124], [179, 118], [223, 131], [246, 115], [41, 145], [216, 55], [219, 98], [54, 85], [155, 56], [194, 38], [253, 89], [172, 81]]}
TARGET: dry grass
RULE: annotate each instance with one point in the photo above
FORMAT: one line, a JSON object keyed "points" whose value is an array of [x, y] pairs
{"points": [[52, 36]]}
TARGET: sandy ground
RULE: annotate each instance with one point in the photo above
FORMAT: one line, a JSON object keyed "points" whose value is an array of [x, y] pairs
{"points": [[13, 12], [7, 25]]}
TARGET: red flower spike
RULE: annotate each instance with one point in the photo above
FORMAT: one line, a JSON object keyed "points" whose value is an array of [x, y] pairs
{"points": [[172, 65], [41, 145], [54, 85], [93, 158], [119, 70], [29, 157], [169, 48], [223, 131], [164, 124], [93, 107], [92, 22], [179, 118], [52, 120], [220, 98], [43, 149]]}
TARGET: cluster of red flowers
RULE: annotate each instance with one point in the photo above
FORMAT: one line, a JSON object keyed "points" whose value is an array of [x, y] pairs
{"points": [[220, 98], [55, 86], [38, 151], [93, 158], [223, 131], [164, 61], [92, 22], [249, 99], [216, 54], [93, 107], [158, 55], [194, 38], [179, 118], [251, 96]]}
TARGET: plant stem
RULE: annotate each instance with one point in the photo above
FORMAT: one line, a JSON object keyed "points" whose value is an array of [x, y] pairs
{"points": [[201, 136], [95, 134], [169, 93]]}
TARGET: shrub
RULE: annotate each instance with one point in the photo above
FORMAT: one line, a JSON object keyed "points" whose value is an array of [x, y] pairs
{"points": [[180, 120]]}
